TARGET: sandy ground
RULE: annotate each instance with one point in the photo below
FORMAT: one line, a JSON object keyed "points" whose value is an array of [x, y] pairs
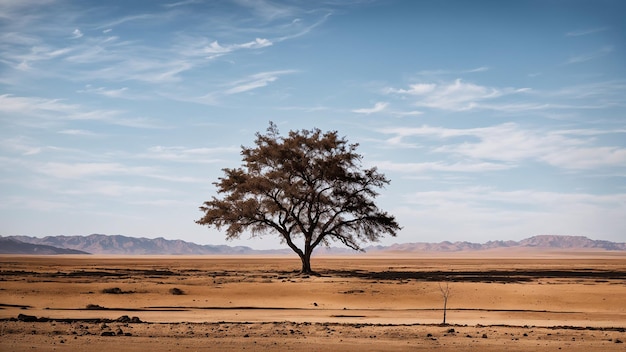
{"points": [[540, 303]]}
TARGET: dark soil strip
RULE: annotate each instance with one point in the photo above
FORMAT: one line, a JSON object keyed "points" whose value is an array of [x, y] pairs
{"points": [[499, 276], [2, 306]]}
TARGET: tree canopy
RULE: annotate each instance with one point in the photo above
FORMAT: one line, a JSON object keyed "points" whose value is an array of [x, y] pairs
{"points": [[308, 187]]}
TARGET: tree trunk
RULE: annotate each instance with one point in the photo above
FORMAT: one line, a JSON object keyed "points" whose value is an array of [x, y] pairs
{"points": [[306, 258], [306, 264], [445, 308]]}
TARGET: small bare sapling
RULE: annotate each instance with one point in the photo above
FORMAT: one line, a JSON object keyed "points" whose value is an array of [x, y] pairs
{"points": [[446, 292]]}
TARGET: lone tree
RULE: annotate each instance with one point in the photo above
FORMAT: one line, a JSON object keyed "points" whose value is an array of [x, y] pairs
{"points": [[308, 186]]}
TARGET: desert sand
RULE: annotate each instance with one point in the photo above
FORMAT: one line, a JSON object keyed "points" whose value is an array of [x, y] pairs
{"points": [[539, 302]]}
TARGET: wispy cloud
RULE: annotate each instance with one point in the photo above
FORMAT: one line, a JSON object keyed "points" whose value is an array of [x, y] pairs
{"points": [[509, 144], [115, 189], [268, 10], [486, 213], [111, 93], [378, 107], [21, 145], [255, 81], [39, 204], [441, 166], [590, 56], [90, 169], [215, 48], [517, 212], [132, 18], [299, 30], [182, 3], [581, 32], [482, 194], [447, 72], [463, 96], [190, 155], [455, 96], [45, 111], [75, 132]]}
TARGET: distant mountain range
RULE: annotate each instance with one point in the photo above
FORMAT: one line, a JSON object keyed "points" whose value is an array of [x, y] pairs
{"points": [[13, 246], [537, 242], [118, 244]]}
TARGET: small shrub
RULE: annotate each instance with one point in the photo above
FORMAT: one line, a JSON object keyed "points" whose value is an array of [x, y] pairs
{"points": [[113, 290], [94, 306], [116, 291], [176, 291]]}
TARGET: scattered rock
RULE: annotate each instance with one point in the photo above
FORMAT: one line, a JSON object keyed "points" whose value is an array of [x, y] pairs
{"points": [[484, 336], [451, 331], [618, 341], [27, 318], [119, 332], [123, 319], [127, 319], [107, 333]]}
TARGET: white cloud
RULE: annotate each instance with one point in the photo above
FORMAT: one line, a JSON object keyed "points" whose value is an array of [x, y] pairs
{"points": [[77, 34], [508, 144], [455, 96], [378, 107], [414, 89]]}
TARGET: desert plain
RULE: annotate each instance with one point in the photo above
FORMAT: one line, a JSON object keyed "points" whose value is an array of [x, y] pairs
{"points": [[569, 301]]}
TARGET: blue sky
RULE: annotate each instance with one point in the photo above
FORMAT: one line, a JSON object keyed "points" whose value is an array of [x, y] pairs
{"points": [[493, 119]]}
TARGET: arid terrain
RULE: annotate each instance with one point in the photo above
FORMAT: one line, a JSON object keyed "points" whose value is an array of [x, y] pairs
{"points": [[514, 301]]}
